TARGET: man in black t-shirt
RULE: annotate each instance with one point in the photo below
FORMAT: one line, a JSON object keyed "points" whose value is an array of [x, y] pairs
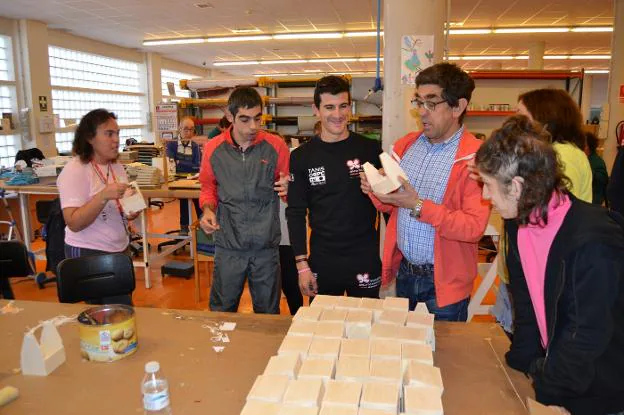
{"points": [[344, 244]]}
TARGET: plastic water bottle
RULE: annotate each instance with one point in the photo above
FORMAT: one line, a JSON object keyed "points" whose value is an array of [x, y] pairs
{"points": [[155, 390]]}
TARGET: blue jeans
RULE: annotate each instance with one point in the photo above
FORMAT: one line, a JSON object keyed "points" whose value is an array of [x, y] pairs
{"points": [[420, 288]]}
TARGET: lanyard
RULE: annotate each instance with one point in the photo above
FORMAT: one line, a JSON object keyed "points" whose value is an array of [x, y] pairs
{"points": [[104, 180]]}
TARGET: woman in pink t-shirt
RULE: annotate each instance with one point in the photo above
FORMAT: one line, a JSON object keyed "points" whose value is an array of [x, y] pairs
{"points": [[90, 187], [565, 259]]}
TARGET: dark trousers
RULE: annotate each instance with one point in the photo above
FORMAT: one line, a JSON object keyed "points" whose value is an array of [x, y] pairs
{"points": [[261, 268], [184, 213], [76, 252], [419, 287], [290, 278], [359, 275]]}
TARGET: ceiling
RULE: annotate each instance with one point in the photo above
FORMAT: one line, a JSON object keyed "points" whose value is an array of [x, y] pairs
{"points": [[128, 22]]}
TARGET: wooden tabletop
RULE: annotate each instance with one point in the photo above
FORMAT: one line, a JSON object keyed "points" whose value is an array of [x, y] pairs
{"points": [[203, 381]]}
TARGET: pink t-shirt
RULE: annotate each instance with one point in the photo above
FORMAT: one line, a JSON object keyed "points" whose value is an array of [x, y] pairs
{"points": [[534, 244], [77, 184]]}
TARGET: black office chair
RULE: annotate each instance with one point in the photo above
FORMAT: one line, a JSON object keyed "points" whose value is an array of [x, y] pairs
{"points": [[96, 279], [14, 262], [50, 215]]}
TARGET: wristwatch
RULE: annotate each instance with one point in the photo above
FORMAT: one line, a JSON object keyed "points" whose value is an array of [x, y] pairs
{"points": [[416, 210]]}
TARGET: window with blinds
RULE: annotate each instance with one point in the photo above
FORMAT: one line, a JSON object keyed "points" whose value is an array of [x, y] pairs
{"points": [[10, 141], [174, 77], [83, 81]]}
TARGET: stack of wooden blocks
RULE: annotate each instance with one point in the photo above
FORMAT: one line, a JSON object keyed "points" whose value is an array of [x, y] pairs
{"points": [[352, 356]]}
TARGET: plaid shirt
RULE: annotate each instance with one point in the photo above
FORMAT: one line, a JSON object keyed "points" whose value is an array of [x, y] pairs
{"points": [[428, 167]]}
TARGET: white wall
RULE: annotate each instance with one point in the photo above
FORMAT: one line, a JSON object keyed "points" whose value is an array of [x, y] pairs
{"points": [[599, 91]]}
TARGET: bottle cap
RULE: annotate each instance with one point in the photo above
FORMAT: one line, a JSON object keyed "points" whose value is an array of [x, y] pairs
{"points": [[152, 367]]}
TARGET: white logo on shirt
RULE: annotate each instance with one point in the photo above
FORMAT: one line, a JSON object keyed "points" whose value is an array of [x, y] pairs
{"points": [[354, 167], [316, 175]]}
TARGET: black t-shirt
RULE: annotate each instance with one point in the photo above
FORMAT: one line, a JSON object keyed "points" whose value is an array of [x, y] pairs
{"points": [[326, 181]]}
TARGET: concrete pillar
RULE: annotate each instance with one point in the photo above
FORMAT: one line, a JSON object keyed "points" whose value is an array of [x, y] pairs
{"points": [[153, 64], [588, 81], [536, 55], [35, 81], [616, 80], [406, 17]]}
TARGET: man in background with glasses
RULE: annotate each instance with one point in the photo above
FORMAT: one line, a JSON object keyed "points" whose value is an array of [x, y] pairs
{"points": [[187, 156], [438, 217], [344, 245]]}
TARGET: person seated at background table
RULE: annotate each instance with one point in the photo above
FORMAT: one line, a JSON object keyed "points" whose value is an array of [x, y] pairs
{"points": [[187, 156], [566, 269], [223, 125], [558, 113], [90, 187], [600, 176]]}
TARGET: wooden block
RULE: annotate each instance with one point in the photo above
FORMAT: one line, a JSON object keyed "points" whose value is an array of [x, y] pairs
{"points": [[287, 364], [355, 348], [396, 303], [358, 323], [304, 392], [367, 411], [329, 329], [324, 301], [323, 348], [384, 349], [297, 410], [375, 305], [422, 401], [343, 394], [417, 352], [421, 308], [295, 344], [348, 302], [392, 169], [268, 388], [419, 320], [336, 314], [337, 410], [384, 396], [378, 182], [353, 369], [308, 313], [396, 317], [323, 369], [360, 316], [413, 335], [302, 328], [423, 375], [384, 331], [389, 371], [260, 408]]}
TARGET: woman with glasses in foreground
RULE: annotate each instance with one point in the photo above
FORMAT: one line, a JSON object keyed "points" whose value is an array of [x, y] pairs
{"points": [[566, 266]]}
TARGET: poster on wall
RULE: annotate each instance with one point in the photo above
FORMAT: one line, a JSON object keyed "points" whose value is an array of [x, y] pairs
{"points": [[166, 120], [416, 55]]}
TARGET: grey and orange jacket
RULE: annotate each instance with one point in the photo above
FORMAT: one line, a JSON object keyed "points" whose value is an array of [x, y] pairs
{"points": [[240, 185]]}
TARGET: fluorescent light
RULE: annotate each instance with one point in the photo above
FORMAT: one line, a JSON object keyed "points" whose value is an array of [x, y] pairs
{"points": [[332, 60], [370, 59], [533, 30], [361, 34], [284, 61], [454, 58], [312, 70], [521, 57], [596, 29], [319, 35], [556, 57], [579, 57], [237, 38], [596, 71], [470, 31], [181, 41], [486, 58], [236, 63]]}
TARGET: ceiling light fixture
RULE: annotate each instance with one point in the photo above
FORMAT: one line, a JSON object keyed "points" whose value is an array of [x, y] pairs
{"points": [[596, 71], [237, 38], [470, 31], [291, 61], [592, 29], [183, 41], [319, 35], [361, 34], [532, 30]]}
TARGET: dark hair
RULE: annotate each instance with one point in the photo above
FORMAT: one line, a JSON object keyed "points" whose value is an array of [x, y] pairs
{"points": [[224, 123], [243, 97], [592, 142], [455, 83], [86, 131], [332, 85], [555, 109], [522, 148]]}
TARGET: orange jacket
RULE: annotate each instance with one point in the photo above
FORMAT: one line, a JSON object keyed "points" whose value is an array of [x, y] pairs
{"points": [[459, 223]]}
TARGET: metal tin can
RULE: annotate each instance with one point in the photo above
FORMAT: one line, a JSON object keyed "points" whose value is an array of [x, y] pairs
{"points": [[107, 333]]}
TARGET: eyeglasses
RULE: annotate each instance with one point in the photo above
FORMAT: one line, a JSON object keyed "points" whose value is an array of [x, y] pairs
{"points": [[428, 105]]}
